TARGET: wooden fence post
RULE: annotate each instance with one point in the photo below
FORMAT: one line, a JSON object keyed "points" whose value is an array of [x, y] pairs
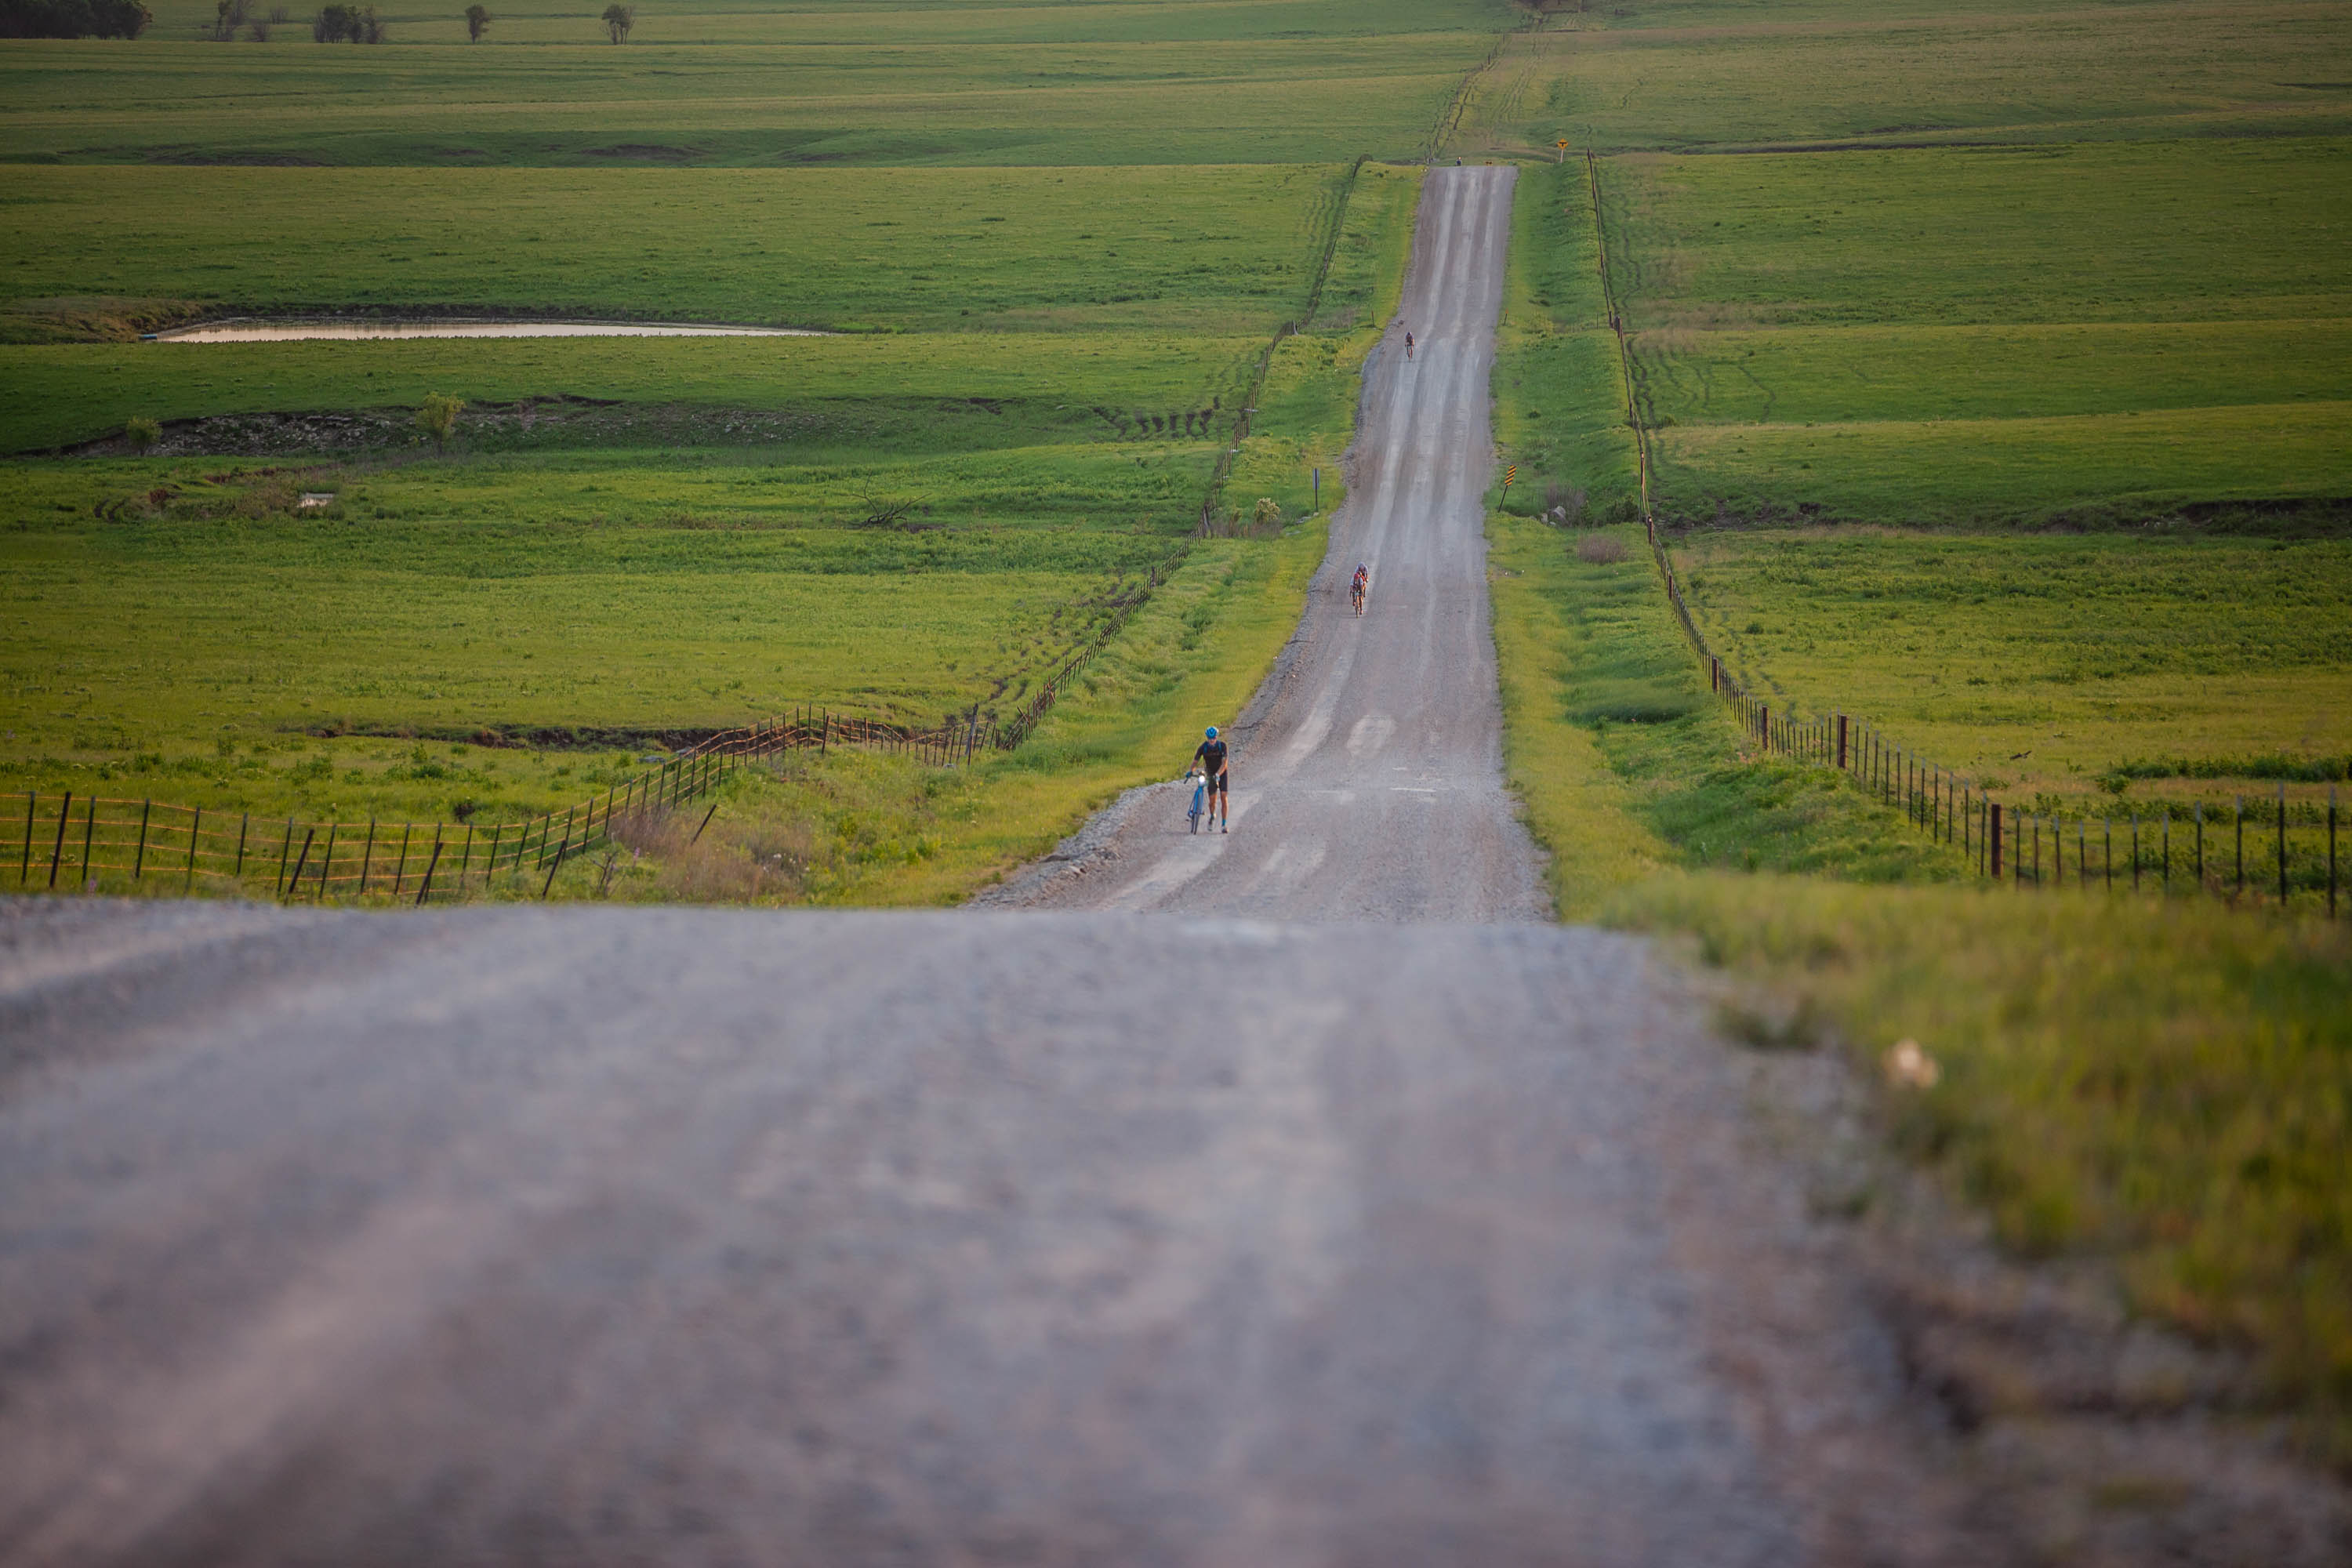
{"points": [[139, 861], [195, 826], [294, 883], [2282, 845], [1992, 837], [2107, 851], [2200, 846], [59, 853], [242, 823], [2135, 851], [25, 867], [327, 861], [285, 849], [424, 887], [2237, 812], [367, 856]]}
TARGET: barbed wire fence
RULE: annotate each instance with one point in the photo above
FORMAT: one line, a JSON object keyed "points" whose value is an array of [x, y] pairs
{"points": [[1998, 840]]}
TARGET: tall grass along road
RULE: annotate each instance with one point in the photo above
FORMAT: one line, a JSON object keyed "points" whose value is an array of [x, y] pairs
{"points": [[624, 1236], [1367, 778]]}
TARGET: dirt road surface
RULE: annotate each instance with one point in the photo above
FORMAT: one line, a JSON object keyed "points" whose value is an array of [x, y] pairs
{"points": [[621, 1237], [1368, 780]]}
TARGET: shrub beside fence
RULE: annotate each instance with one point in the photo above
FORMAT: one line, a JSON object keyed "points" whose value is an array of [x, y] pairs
{"points": [[2002, 842]]}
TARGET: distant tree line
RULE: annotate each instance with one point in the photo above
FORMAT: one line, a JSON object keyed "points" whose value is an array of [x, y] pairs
{"points": [[73, 18]]}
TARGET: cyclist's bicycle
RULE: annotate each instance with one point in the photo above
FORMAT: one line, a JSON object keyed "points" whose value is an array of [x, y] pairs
{"points": [[1356, 597], [1200, 799]]}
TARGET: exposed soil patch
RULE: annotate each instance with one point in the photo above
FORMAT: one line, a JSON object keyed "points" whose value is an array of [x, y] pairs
{"points": [[528, 737], [239, 160], [550, 421], [646, 153]]}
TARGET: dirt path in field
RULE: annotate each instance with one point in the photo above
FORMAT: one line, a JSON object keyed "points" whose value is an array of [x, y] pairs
{"points": [[1368, 780]]}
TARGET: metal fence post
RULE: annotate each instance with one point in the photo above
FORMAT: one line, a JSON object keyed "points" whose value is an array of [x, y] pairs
{"points": [[24, 868], [139, 861], [195, 826], [1992, 835]]}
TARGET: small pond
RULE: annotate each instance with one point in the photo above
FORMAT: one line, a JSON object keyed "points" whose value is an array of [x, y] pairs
{"points": [[258, 331]]}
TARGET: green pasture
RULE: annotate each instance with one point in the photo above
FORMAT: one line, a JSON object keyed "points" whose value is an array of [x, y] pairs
{"points": [[932, 521], [1719, 74], [2039, 665], [911, 393], [606, 591], [2139, 232], [1182, 81], [2097, 332], [1168, 251]]}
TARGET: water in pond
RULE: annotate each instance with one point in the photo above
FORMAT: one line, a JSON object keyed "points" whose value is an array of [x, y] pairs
{"points": [[261, 332]]}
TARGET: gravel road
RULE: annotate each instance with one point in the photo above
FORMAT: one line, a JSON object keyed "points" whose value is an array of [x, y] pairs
{"points": [[598, 1237], [1367, 778]]}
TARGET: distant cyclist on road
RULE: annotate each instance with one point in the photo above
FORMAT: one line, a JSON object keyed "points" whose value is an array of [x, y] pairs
{"points": [[1360, 586], [1408, 345], [1209, 755]]}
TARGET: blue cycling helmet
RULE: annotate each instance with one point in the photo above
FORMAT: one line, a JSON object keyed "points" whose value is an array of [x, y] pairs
{"points": [[1212, 731]]}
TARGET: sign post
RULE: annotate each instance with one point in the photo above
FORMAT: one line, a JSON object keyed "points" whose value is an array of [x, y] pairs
{"points": [[1508, 475], [1562, 146], [1318, 490]]}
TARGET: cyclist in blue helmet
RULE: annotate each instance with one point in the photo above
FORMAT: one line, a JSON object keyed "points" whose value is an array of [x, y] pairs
{"points": [[1209, 755]]}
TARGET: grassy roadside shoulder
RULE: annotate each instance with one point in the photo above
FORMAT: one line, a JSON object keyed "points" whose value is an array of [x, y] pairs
{"points": [[2163, 1089], [1624, 762], [871, 830], [2164, 1085]]}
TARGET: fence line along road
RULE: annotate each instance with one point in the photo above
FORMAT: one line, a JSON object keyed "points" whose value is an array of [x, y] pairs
{"points": [[2298, 866], [62, 842]]}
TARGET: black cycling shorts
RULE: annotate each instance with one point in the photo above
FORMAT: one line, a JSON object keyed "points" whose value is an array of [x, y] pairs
{"points": [[1217, 784]]}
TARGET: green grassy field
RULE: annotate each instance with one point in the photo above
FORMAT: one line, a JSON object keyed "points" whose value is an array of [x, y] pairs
{"points": [[177, 617], [1968, 337], [1560, 405], [2084, 654], [1675, 74], [1179, 81], [1171, 251], [881, 395], [2012, 265]]}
